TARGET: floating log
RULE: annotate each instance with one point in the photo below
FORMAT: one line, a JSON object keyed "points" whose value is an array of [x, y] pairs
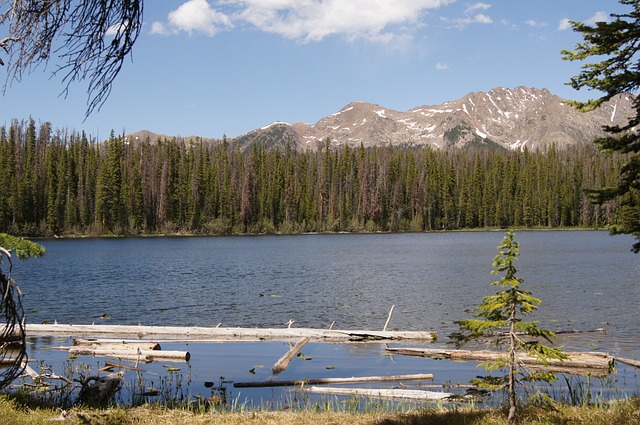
{"points": [[577, 363], [355, 379], [227, 334], [558, 332], [122, 343], [418, 395], [628, 362], [284, 361], [146, 356], [578, 331]]}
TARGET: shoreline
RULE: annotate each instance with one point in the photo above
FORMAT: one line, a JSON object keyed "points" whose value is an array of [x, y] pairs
{"points": [[205, 235]]}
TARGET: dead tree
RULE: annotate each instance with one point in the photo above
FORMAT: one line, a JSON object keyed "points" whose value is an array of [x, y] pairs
{"points": [[13, 351]]}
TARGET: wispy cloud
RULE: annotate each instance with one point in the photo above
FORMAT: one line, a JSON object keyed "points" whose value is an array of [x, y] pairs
{"points": [[306, 20], [598, 17], [442, 66], [481, 18], [565, 23], [471, 16], [535, 24], [476, 6]]}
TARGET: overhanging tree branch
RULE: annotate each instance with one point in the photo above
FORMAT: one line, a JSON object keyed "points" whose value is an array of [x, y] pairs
{"points": [[90, 40]]}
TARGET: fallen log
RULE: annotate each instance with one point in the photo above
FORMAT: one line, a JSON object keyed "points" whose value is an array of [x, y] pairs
{"points": [[386, 324], [417, 395], [114, 343], [579, 331], [195, 333], [577, 363], [628, 362], [146, 356], [558, 332], [391, 378], [109, 366], [284, 361]]}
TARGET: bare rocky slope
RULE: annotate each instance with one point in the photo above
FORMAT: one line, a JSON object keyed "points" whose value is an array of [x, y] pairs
{"points": [[500, 118]]}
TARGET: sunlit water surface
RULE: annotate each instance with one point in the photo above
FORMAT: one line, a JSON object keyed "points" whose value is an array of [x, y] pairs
{"points": [[587, 280]]}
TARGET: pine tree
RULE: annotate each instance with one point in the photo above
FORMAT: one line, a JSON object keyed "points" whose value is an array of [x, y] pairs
{"points": [[617, 43], [109, 203], [500, 316]]}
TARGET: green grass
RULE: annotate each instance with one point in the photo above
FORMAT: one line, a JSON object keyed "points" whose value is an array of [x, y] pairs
{"points": [[17, 412]]}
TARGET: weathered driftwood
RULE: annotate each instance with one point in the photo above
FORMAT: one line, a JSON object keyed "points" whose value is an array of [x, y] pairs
{"points": [[559, 332], [117, 343], [228, 334], [386, 324], [577, 363], [417, 395], [284, 361], [146, 356], [109, 366], [99, 390], [628, 362], [355, 379]]}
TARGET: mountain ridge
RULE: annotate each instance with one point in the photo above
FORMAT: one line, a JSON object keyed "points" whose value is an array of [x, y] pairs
{"points": [[500, 118]]}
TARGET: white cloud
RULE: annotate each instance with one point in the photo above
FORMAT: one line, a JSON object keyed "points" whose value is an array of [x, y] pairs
{"points": [[115, 29], [464, 22], [481, 18], [471, 17], [305, 20], [565, 24], [159, 28], [598, 17], [477, 6], [508, 24], [535, 24], [194, 16], [313, 20], [442, 66]]}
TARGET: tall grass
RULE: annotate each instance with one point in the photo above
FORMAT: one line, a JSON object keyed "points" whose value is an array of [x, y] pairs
{"points": [[625, 412]]}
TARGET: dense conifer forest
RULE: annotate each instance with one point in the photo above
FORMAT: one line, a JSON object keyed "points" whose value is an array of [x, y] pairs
{"points": [[57, 182]]}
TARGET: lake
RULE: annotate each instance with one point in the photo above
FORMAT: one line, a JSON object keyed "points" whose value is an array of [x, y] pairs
{"points": [[586, 280]]}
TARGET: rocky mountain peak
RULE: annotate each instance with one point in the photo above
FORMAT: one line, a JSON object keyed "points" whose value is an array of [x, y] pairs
{"points": [[501, 118]]}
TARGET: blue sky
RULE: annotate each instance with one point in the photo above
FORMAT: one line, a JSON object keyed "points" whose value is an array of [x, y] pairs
{"points": [[210, 68]]}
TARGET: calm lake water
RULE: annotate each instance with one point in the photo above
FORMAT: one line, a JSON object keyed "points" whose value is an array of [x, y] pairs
{"points": [[586, 280]]}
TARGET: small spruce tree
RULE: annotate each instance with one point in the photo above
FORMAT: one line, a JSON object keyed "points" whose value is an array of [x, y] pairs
{"points": [[499, 317]]}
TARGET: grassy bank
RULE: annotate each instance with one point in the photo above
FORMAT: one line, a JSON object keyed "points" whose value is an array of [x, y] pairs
{"points": [[621, 412]]}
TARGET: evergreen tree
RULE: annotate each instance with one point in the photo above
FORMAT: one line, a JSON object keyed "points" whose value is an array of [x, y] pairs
{"points": [[618, 42], [500, 316], [60, 182], [6, 177], [109, 203]]}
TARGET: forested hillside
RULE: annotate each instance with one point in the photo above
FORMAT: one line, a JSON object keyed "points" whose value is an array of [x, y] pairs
{"points": [[60, 183]]}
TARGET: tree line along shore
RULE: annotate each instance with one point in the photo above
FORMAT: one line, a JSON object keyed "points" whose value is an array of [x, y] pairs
{"points": [[60, 182]]}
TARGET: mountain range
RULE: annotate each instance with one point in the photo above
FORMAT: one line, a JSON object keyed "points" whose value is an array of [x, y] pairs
{"points": [[500, 118]]}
